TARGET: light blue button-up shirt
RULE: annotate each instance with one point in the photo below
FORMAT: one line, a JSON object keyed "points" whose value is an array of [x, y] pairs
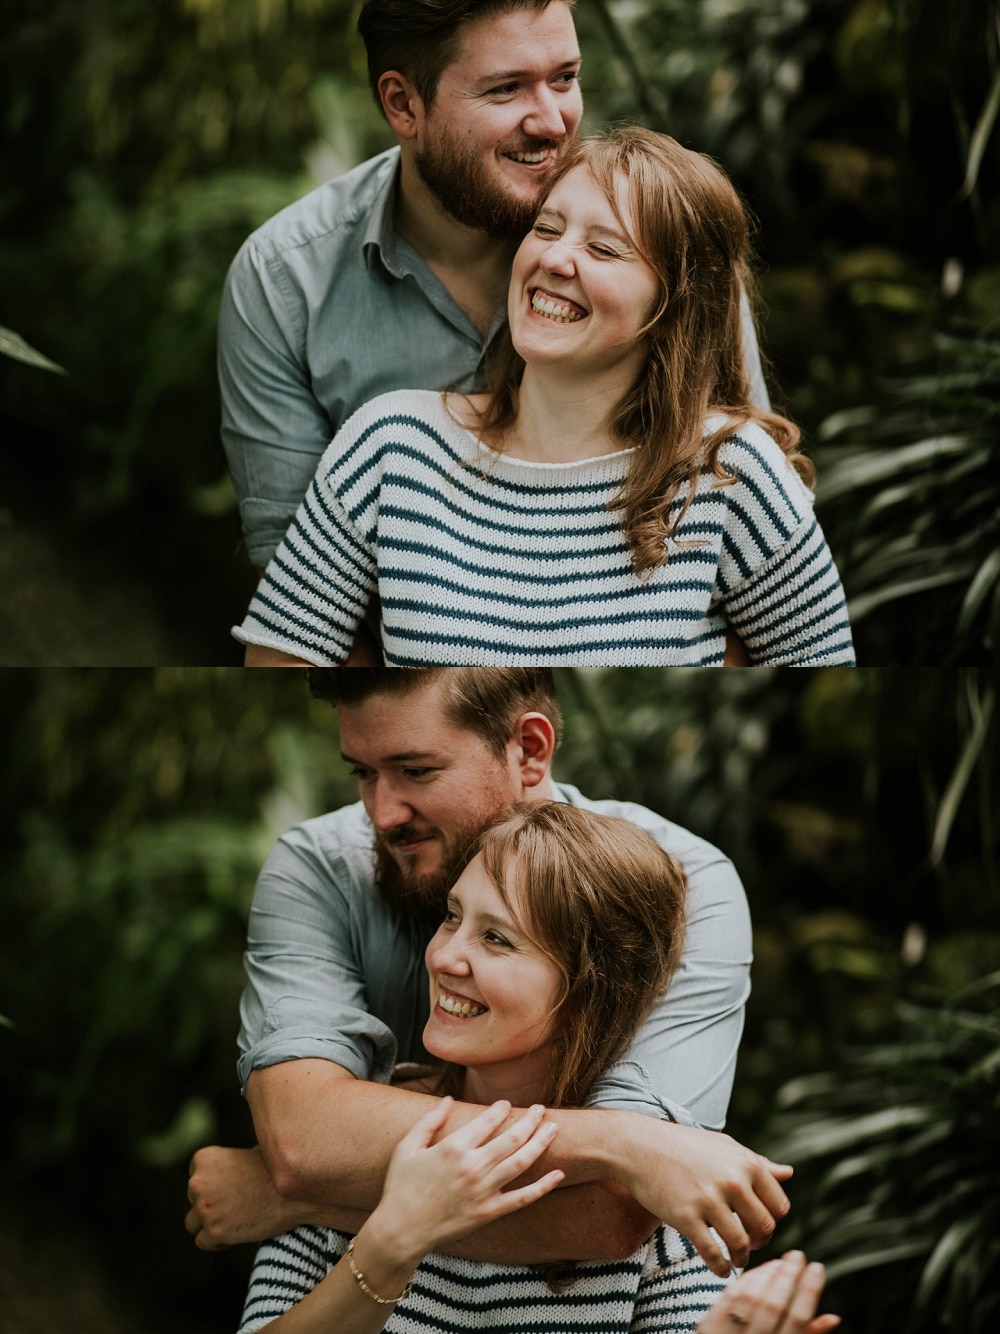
{"points": [[324, 308], [333, 973]]}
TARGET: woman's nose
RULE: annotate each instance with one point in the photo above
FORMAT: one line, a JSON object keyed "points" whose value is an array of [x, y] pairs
{"points": [[447, 954], [558, 258]]}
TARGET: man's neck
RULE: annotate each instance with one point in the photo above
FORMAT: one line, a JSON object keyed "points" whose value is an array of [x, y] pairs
{"points": [[474, 268]]}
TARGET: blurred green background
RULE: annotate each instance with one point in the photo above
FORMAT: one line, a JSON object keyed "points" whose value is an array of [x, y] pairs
{"points": [[860, 808], [143, 143]]}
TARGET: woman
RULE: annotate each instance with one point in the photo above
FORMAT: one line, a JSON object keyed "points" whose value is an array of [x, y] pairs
{"points": [[558, 936], [616, 500]]}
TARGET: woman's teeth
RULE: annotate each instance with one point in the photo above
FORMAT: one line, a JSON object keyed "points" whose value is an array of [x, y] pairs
{"points": [[466, 1009], [554, 310]]}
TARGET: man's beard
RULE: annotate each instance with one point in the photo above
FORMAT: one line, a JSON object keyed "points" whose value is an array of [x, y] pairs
{"points": [[463, 186], [424, 898]]}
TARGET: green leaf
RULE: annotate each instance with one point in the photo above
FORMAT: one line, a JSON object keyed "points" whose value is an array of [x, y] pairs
{"points": [[959, 780], [985, 579], [943, 1254], [13, 345]]}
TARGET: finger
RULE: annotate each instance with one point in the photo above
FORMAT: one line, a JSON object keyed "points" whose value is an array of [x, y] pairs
{"points": [[708, 1248], [823, 1324], [507, 1201], [780, 1171], [522, 1130], [770, 1194], [805, 1298], [423, 1130], [514, 1164], [482, 1127], [776, 1296], [192, 1222], [732, 1232], [205, 1243]]}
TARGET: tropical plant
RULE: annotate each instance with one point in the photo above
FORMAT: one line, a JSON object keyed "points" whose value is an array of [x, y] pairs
{"points": [[897, 1161]]}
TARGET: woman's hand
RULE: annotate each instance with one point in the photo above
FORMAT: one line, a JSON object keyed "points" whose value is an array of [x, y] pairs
{"points": [[779, 1297], [436, 1193]]}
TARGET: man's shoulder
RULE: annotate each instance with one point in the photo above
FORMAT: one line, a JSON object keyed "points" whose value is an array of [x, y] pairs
{"points": [[329, 212], [694, 852], [343, 835]]}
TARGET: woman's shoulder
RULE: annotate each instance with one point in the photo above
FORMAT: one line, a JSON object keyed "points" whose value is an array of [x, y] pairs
{"points": [[757, 461]]}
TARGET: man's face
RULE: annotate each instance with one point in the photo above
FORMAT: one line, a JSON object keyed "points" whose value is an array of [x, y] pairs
{"points": [[428, 787], [505, 110]]}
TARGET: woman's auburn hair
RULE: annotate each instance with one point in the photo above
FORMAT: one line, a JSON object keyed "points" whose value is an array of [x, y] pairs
{"points": [[691, 228], [602, 899]]}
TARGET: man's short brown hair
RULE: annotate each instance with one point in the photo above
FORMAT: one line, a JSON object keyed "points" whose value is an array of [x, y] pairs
{"points": [[420, 38], [485, 700]]}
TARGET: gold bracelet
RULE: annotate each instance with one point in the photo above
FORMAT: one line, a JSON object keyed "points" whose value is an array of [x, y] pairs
{"points": [[382, 1301]]}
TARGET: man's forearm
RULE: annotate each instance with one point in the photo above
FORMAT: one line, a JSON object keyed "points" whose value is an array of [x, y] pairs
{"points": [[596, 1221], [337, 1135], [328, 1137]]}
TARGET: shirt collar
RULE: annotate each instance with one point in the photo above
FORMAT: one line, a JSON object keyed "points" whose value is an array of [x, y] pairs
{"points": [[380, 239]]}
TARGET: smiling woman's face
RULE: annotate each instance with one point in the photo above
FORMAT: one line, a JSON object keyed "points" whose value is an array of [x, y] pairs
{"points": [[580, 290], [493, 993]]}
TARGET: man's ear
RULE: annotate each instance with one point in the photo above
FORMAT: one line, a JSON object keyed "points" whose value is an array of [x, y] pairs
{"points": [[402, 104], [534, 742]]}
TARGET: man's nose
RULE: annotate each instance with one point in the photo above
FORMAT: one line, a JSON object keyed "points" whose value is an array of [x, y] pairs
{"points": [[386, 809], [545, 120]]}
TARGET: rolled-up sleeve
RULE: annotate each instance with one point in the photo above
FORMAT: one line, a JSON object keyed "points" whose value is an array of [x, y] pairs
{"points": [[305, 993], [273, 429]]}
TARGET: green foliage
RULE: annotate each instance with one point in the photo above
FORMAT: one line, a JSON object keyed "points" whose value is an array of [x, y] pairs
{"points": [[137, 806], [911, 498], [13, 345], [896, 1159], [145, 142]]}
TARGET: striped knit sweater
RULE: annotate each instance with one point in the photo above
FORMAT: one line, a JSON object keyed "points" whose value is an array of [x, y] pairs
{"points": [[484, 560], [663, 1288]]}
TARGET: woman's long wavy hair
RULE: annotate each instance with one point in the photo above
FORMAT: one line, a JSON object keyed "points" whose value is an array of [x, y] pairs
{"points": [[606, 904], [690, 226]]}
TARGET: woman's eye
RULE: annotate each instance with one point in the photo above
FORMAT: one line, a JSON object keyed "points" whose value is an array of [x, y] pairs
{"points": [[495, 939], [542, 229], [602, 252]]}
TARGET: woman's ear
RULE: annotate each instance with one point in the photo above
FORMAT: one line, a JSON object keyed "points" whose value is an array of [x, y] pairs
{"points": [[402, 104], [535, 742]]}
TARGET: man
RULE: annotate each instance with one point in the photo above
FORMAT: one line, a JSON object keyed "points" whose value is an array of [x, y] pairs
{"points": [[394, 275], [337, 993]]}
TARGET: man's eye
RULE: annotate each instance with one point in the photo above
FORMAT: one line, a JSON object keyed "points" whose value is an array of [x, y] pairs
{"points": [[362, 775], [502, 90], [568, 78], [418, 773]]}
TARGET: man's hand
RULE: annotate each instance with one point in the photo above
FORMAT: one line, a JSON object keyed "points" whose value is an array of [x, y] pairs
{"points": [[700, 1179], [233, 1200]]}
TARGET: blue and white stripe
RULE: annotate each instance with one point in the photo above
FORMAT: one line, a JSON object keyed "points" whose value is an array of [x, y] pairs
{"points": [[484, 560], [663, 1288]]}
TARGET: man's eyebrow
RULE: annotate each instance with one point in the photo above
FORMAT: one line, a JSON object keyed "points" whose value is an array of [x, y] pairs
{"points": [[402, 757], [509, 75]]}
